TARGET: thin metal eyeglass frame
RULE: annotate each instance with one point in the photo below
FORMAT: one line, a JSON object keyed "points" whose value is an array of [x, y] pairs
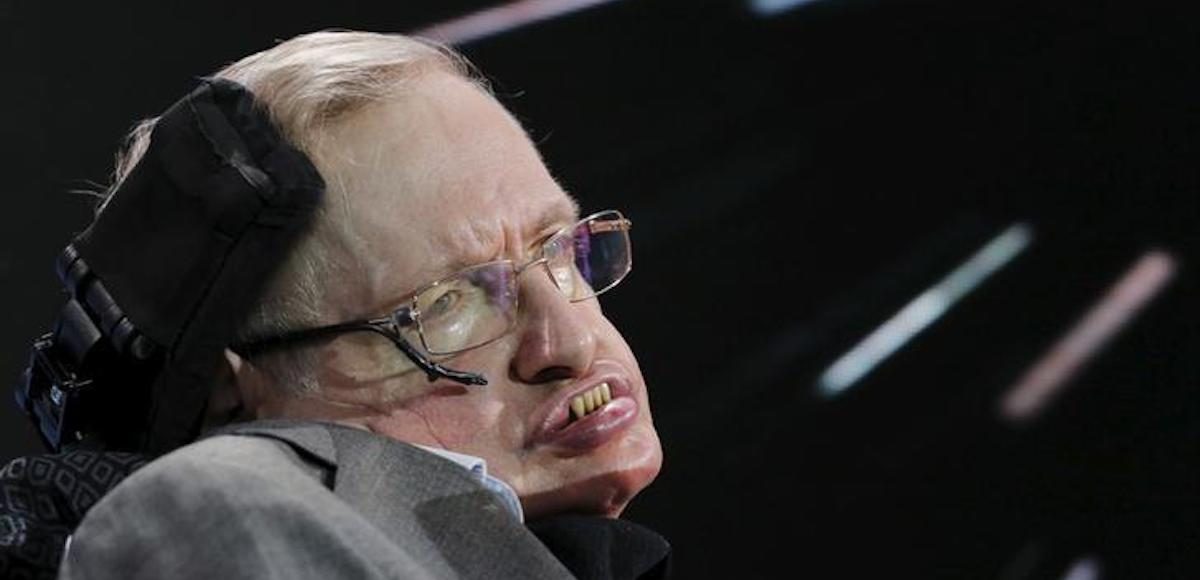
{"points": [[389, 326]]}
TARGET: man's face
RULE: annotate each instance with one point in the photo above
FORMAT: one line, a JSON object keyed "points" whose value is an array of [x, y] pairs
{"points": [[441, 179]]}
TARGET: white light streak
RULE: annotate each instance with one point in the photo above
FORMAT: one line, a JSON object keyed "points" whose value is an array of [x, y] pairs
{"points": [[501, 18], [775, 7], [923, 310], [1112, 312], [1085, 568]]}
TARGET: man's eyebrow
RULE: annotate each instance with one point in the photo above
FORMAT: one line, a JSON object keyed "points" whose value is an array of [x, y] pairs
{"points": [[559, 214], [555, 216]]}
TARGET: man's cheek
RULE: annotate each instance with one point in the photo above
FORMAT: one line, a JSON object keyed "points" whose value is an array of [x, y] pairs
{"points": [[459, 423], [365, 358]]}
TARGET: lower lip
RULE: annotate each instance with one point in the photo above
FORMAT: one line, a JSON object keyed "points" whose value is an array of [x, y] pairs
{"points": [[595, 429]]}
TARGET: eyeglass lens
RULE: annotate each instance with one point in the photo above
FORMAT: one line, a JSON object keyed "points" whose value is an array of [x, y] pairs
{"points": [[479, 304]]}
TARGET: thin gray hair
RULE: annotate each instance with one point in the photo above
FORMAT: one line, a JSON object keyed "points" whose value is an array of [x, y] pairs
{"points": [[306, 84]]}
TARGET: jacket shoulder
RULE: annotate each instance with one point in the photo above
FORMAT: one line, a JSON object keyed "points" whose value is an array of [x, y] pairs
{"points": [[230, 507]]}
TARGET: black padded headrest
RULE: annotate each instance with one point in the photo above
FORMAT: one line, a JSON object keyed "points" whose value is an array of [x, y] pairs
{"points": [[183, 250]]}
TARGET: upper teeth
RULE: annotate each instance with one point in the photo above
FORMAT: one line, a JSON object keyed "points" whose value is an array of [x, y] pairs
{"points": [[591, 400]]}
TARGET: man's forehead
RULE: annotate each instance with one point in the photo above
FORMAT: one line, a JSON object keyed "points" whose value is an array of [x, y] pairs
{"points": [[425, 248], [483, 237], [440, 180]]}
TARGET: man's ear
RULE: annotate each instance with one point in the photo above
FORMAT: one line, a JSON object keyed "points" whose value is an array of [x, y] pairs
{"points": [[236, 392]]}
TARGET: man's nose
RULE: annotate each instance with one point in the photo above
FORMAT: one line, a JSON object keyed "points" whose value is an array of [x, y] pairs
{"points": [[556, 337]]}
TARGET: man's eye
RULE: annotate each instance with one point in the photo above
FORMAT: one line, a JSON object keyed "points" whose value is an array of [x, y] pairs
{"points": [[444, 304]]}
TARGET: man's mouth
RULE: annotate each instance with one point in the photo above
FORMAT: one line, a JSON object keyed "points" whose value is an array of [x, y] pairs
{"points": [[588, 418], [590, 401]]}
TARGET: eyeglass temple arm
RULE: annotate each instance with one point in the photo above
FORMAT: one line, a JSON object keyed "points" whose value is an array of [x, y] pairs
{"points": [[600, 227], [383, 326], [432, 370]]}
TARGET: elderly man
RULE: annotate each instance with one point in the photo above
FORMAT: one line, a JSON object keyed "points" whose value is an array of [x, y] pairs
{"points": [[427, 373]]}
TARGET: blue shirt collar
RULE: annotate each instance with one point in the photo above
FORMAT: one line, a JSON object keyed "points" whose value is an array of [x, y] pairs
{"points": [[477, 467]]}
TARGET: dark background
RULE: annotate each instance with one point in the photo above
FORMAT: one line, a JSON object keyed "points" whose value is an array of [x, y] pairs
{"points": [[794, 181]]}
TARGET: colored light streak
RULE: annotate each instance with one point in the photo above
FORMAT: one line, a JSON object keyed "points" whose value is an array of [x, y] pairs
{"points": [[502, 18], [923, 310], [1112, 312]]}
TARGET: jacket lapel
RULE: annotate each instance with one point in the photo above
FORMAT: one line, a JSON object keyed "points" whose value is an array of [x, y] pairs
{"points": [[426, 504], [398, 487]]}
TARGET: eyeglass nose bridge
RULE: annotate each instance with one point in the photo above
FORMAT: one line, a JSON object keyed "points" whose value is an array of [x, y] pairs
{"points": [[545, 263]]}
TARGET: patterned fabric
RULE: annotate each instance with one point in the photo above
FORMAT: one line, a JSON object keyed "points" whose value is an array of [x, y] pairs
{"points": [[43, 498]]}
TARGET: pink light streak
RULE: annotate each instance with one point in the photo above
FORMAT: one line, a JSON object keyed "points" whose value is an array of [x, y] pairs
{"points": [[1123, 301]]}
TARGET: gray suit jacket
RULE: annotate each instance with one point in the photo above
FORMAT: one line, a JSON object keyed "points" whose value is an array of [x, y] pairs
{"points": [[303, 500]]}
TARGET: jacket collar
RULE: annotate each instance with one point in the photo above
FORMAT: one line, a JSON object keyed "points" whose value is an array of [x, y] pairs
{"points": [[431, 503]]}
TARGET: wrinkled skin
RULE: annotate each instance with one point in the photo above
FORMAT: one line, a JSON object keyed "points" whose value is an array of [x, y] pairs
{"points": [[440, 178]]}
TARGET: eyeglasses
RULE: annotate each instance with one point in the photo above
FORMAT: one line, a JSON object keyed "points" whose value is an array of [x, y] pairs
{"points": [[479, 304]]}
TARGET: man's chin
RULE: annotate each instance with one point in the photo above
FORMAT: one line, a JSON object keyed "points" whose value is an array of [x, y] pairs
{"points": [[603, 495]]}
